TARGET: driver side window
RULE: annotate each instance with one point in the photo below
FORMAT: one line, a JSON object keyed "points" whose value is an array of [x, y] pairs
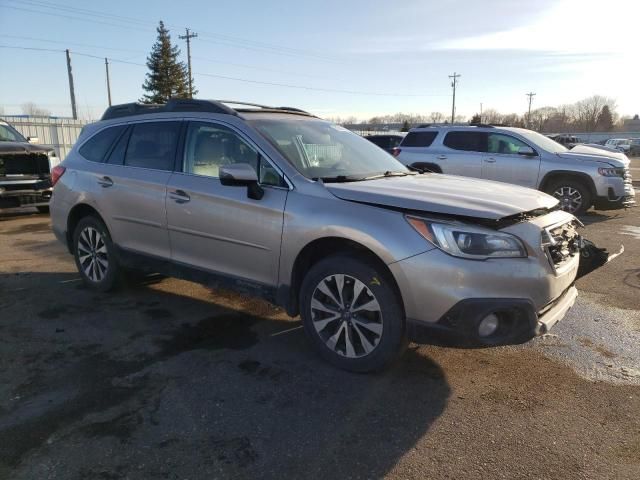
{"points": [[504, 144], [209, 146]]}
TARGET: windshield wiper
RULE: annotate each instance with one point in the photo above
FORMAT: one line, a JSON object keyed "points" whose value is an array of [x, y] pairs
{"points": [[388, 173], [340, 179]]}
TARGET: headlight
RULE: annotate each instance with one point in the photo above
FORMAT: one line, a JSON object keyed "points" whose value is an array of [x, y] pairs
{"points": [[467, 241], [611, 172]]}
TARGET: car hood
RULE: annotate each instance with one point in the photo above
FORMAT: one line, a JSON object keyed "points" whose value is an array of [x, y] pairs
{"points": [[445, 194], [22, 148], [585, 152]]}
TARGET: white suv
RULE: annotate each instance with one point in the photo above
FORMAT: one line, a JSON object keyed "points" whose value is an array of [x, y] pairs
{"points": [[580, 178]]}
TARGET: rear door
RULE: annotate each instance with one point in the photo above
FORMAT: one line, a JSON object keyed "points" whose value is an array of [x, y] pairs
{"points": [[462, 153], [216, 227], [133, 184], [503, 163]]}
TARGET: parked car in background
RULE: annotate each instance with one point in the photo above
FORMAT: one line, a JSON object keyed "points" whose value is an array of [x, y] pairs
{"points": [[25, 170], [621, 144], [568, 141], [634, 148], [579, 178], [387, 142], [314, 218]]}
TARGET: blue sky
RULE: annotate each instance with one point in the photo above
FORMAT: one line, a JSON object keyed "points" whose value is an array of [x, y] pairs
{"points": [[388, 56]]}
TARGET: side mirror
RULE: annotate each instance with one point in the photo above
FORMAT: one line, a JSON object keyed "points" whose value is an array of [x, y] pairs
{"points": [[33, 139], [526, 151], [241, 175]]}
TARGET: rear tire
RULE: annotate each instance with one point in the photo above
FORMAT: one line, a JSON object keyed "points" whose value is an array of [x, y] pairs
{"points": [[95, 254], [352, 314], [574, 196]]}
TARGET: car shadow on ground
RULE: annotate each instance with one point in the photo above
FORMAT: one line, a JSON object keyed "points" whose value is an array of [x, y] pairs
{"points": [[155, 382], [592, 217]]}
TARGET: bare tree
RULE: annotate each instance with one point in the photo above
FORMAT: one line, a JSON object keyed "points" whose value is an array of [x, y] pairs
{"points": [[492, 116], [30, 108], [589, 109], [436, 117]]}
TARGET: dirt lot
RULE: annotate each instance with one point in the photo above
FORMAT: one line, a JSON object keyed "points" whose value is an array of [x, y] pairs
{"points": [[167, 379]]}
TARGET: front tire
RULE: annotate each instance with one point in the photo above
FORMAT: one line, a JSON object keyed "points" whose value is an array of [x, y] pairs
{"points": [[352, 314], [574, 196], [95, 254]]}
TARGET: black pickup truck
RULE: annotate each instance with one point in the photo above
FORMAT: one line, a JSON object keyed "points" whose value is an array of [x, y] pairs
{"points": [[25, 170]]}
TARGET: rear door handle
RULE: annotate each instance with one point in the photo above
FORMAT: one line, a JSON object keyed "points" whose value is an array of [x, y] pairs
{"points": [[179, 196], [105, 182], [490, 160], [442, 157]]}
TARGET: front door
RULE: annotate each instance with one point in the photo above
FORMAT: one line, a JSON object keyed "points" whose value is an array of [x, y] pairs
{"points": [[503, 163], [219, 228]]}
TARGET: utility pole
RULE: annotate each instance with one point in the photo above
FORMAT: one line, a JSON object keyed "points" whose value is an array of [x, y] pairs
{"points": [[72, 92], [188, 38], [530, 95], [106, 67], [455, 77], [480, 112]]}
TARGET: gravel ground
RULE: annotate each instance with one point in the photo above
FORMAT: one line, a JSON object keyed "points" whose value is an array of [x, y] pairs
{"points": [[168, 379]]}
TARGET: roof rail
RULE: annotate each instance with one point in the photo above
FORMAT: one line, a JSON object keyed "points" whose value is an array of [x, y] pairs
{"points": [[263, 107], [190, 105], [480, 125], [173, 105]]}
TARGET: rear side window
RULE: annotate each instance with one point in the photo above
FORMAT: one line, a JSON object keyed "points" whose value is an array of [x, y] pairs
{"points": [[97, 146], [419, 139], [466, 141], [153, 145]]}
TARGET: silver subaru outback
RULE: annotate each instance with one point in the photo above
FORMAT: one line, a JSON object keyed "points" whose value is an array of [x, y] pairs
{"points": [[279, 203]]}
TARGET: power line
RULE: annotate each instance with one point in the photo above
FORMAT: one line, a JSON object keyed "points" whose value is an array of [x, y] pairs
{"points": [[247, 80], [188, 36], [530, 95], [226, 40], [454, 83]]}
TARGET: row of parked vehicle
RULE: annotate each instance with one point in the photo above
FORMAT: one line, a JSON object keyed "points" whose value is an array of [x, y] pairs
{"points": [[580, 177], [370, 251]]}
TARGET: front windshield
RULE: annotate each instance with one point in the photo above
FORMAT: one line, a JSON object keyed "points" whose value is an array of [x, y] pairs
{"points": [[319, 149], [8, 134], [543, 142]]}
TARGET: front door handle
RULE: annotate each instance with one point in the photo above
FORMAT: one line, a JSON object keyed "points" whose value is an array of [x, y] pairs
{"points": [[490, 160], [179, 196], [105, 182], [442, 157]]}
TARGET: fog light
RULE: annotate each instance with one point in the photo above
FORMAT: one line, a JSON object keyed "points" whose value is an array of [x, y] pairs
{"points": [[488, 325]]}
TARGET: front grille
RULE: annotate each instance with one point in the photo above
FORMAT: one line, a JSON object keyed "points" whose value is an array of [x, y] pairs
{"points": [[627, 176], [561, 243]]}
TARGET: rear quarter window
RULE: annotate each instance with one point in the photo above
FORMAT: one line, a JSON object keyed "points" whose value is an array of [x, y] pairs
{"points": [[96, 148], [419, 139]]}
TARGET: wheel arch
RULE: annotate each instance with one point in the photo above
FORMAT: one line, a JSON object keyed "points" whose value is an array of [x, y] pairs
{"points": [[321, 248], [554, 175], [77, 213]]}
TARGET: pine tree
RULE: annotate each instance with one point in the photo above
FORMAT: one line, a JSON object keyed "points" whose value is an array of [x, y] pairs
{"points": [[476, 119], [605, 119], [167, 77], [405, 126]]}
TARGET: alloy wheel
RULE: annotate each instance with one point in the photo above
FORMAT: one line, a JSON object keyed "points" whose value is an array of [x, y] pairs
{"points": [[346, 315], [92, 254], [570, 198]]}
